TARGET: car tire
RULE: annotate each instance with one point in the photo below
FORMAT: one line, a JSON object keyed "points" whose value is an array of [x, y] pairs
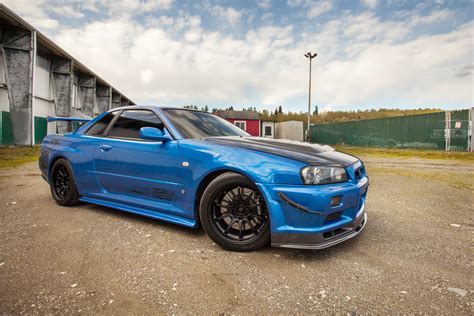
{"points": [[63, 185], [234, 214]]}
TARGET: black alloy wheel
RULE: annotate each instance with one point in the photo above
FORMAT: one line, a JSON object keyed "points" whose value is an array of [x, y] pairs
{"points": [[239, 214], [234, 213], [62, 182], [63, 187]]}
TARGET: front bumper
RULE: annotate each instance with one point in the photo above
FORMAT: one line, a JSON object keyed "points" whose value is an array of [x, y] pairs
{"points": [[304, 216], [322, 240]]}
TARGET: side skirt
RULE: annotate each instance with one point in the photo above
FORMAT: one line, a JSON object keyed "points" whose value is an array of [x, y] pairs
{"points": [[139, 211]]}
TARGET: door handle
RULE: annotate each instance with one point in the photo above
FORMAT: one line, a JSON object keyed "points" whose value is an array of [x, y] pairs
{"points": [[105, 147]]}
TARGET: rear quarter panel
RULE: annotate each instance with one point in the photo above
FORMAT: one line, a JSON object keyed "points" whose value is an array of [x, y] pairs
{"points": [[79, 151]]}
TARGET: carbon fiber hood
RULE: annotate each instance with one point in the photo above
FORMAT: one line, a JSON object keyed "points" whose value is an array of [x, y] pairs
{"points": [[312, 154]]}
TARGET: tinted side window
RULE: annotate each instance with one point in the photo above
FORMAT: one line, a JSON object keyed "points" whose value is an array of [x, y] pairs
{"points": [[99, 127], [129, 123]]}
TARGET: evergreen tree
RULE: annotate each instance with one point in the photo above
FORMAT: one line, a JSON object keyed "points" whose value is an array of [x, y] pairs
{"points": [[280, 110]]}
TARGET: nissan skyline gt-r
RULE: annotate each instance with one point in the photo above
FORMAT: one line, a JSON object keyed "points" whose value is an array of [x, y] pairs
{"points": [[194, 168]]}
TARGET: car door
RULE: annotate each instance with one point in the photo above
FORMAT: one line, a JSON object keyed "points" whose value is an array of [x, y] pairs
{"points": [[85, 145], [135, 171]]}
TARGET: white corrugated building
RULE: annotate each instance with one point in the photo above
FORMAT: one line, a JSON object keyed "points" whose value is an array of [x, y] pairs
{"points": [[38, 78]]}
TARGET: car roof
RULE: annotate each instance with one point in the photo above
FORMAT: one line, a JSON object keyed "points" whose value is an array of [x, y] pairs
{"points": [[151, 107]]}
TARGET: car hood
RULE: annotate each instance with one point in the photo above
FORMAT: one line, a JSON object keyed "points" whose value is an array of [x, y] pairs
{"points": [[312, 154]]}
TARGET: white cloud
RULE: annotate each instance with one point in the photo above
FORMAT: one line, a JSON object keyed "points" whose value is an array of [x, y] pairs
{"points": [[127, 7], [312, 8], [33, 12], [228, 14], [294, 3], [210, 67], [365, 29], [370, 3], [264, 4], [421, 71], [318, 8], [434, 16], [151, 5], [361, 59], [68, 11], [266, 18], [146, 76]]}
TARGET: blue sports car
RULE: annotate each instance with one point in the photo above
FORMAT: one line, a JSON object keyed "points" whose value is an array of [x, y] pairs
{"points": [[193, 168]]}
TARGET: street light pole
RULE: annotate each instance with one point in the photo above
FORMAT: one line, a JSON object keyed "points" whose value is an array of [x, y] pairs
{"points": [[310, 57]]}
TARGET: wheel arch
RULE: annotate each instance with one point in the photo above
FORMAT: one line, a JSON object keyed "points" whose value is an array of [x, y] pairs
{"points": [[53, 162], [206, 180]]}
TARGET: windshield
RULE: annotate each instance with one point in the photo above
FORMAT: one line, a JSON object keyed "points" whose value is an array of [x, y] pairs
{"points": [[194, 124]]}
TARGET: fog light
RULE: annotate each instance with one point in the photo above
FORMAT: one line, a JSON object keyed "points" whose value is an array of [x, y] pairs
{"points": [[335, 200]]}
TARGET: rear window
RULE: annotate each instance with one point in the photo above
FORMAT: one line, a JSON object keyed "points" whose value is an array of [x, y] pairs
{"points": [[99, 127]]}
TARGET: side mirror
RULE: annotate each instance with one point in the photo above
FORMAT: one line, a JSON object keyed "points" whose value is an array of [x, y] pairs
{"points": [[152, 133]]}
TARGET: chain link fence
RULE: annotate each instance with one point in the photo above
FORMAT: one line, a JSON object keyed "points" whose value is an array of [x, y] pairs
{"points": [[449, 130]]}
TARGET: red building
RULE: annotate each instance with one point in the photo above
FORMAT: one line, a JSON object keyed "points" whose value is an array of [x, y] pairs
{"points": [[249, 121]]}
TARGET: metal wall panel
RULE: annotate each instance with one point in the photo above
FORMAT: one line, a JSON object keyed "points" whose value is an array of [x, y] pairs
{"points": [[42, 83], [2, 69], [4, 102]]}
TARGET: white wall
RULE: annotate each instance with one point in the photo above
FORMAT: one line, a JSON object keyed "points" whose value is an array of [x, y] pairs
{"points": [[4, 102], [44, 104], [42, 83], [292, 130]]}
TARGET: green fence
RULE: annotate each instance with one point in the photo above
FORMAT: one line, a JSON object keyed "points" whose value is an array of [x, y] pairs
{"points": [[6, 132], [459, 130], [41, 129], [6, 129], [425, 131]]}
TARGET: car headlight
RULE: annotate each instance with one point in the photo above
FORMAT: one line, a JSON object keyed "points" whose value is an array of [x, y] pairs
{"points": [[323, 175]]}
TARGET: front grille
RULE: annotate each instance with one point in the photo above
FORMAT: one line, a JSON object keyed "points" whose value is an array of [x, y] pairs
{"points": [[334, 233]]}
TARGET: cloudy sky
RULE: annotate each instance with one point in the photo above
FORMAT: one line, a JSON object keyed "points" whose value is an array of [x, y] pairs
{"points": [[371, 53]]}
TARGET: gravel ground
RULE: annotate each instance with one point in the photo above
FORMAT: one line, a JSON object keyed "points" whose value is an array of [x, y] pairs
{"points": [[414, 256]]}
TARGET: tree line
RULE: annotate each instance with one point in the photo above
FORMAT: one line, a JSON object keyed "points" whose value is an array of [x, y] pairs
{"points": [[279, 115]]}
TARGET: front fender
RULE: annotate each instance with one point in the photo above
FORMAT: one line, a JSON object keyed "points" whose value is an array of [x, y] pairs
{"points": [[204, 158], [198, 160]]}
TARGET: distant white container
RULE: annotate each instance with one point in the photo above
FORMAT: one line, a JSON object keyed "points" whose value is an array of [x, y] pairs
{"points": [[292, 130], [268, 129]]}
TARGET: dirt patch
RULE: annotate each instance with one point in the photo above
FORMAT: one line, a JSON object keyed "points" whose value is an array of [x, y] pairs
{"points": [[416, 245]]}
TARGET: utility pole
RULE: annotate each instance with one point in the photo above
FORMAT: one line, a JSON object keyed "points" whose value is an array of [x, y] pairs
{"points": [[310, 57]]}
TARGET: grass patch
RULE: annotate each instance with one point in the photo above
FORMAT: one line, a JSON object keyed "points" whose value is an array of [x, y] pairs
{"points": [[11, 157], [455, 179], [407, 153]]}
